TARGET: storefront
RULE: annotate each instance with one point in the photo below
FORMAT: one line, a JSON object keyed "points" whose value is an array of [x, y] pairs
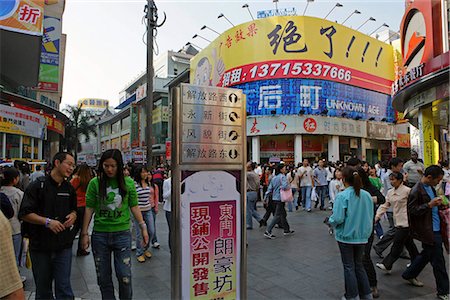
{"points": [[309, 93], [421, 89]]}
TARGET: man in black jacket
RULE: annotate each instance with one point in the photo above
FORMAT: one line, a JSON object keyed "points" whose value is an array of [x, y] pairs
{"points": [[49, 209], [424, 224]]}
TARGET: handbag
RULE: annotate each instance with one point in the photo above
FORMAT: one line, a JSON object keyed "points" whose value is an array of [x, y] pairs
{"points": [[286, 195]]}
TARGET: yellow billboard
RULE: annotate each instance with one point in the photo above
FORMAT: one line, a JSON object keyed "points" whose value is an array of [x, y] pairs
{"points": [[294, 47]]}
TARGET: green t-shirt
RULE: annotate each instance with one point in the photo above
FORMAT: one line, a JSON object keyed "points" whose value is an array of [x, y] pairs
{"points": [[113, 213], [376, 182]]}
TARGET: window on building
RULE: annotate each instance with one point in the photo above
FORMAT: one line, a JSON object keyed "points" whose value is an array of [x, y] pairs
{"points": [[36, 148], [115, 128], [26, 147], [126, 123], [12, 146]]}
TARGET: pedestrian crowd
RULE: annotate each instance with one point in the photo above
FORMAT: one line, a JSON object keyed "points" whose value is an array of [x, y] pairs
{"points": [[412, 198], [44, 212]]}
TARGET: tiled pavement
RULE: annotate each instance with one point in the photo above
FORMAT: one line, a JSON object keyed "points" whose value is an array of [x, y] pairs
{"points": [[306, 265]]}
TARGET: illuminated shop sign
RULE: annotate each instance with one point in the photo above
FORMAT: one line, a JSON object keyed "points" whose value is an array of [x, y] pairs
{"points": [[315, 97]]}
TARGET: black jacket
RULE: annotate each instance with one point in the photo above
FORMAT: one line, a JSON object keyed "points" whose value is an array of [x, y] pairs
{"points": [[50, 200], [420, 216]]}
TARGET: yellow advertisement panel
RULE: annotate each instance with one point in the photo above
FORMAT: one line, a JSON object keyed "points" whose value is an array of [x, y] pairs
{"points": [[294, 47], [24, 16]]}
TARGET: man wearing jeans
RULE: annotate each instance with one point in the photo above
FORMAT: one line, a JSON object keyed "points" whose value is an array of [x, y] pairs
{"points": [[305, 176], [50, 205], [252, 196], [321, 183], [424, 226]]}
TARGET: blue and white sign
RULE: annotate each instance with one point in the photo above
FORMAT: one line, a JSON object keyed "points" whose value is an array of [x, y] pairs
{"points": [[315, 97], [276, 12]]}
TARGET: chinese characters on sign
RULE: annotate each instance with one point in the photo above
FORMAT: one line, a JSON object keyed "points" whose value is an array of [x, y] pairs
{"points": [[213, 249]]}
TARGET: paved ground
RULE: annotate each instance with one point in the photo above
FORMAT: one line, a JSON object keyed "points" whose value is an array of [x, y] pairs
{"points": [[306, 265]]}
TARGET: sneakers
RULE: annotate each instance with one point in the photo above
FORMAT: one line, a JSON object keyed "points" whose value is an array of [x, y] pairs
{"points": [[269, 235], [148, 254], [308, 210], [290, 232], [442, 297], [383, 267], [156, 245], [415, 282], [141, 258]]}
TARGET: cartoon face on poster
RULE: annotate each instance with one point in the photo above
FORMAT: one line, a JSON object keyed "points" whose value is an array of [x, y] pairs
{"points": [[210, 234]]}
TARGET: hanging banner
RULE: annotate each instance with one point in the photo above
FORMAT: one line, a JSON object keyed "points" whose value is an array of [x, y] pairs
{"points": [[23, 16], [49, 67], [18, 121], [294, 47]]}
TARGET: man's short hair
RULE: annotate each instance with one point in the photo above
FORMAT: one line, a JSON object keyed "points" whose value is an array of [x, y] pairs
{"points": [[395, 162], [353, 162], [434, 171], [61, 156]]}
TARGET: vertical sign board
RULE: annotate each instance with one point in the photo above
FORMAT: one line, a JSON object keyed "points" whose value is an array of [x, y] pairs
{"points": [[208, 152]]}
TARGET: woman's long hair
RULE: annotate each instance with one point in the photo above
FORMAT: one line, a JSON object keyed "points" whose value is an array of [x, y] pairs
{"points": [[137, 175], [352, 177], [103, 178], [84, 175]]}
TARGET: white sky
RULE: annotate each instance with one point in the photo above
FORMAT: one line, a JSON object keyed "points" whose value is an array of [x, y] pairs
{"points": [[105, 49]]}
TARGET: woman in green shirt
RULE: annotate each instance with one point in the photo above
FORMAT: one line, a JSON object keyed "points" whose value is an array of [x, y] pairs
{"points": [[111, 196]]}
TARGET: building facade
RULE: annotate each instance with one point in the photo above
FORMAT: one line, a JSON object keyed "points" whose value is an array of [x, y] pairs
{"points": [[314, 88]]}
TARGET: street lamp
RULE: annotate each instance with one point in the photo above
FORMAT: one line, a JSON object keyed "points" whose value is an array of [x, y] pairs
{"points": [[392, 35], [369, 19], [384, 25], [193, 45], [306, 7], [276, 4], [196, 35], [336, 5], [204, 27], [223, 16], [354, 12], [246, 6]]}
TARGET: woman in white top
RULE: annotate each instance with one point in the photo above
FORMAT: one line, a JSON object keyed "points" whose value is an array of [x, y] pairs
{"points": [[336, 186], [292, 179]]}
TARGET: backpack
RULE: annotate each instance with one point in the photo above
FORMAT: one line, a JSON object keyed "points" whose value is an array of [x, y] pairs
{"points": [[28, 229]]}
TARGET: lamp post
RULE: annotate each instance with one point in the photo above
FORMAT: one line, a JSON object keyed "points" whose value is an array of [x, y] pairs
{"points": [[383, 25], [336, 5], [206, 27], [246, 6], [223, 16], [357, 12], [276, 5], [306, 7], [369, 19], [196, 36], [193, 45]]}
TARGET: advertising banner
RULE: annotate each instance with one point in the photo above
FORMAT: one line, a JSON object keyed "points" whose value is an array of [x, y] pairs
{"points": [[23, 16], [134, 133], [211, 243], [23, 122], [54, 124], [49, 67], [315, 97], [125, 142], [294, 47], [305, 125]]}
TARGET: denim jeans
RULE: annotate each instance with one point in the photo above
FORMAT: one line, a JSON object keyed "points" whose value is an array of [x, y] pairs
{"points": [[152, 229], [251, 211], [356, 281], [17, 243], [321, 194], [169, 224], [306, 196], [49, 266], [118, 243], [147, 216], [431, 254], [293, 204], [280, 215]]}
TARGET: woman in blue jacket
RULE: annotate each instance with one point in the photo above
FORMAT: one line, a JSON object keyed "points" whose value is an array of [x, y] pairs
{"points": [[277, 183], [353, 219]]}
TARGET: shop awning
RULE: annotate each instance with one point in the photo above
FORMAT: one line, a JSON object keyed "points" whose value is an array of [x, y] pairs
{"points": [[127, 102]]}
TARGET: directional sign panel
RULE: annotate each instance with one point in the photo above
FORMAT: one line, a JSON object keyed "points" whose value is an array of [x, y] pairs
{"points": [[211, 153], [211, 96], [211, 115], [211, 134]]}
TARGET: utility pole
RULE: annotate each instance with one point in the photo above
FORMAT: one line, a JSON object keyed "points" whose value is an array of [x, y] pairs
{"points": [[152, 19]]}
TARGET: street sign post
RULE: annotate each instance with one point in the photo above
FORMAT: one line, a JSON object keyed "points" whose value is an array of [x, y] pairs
{"points": [[208, 193]]}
